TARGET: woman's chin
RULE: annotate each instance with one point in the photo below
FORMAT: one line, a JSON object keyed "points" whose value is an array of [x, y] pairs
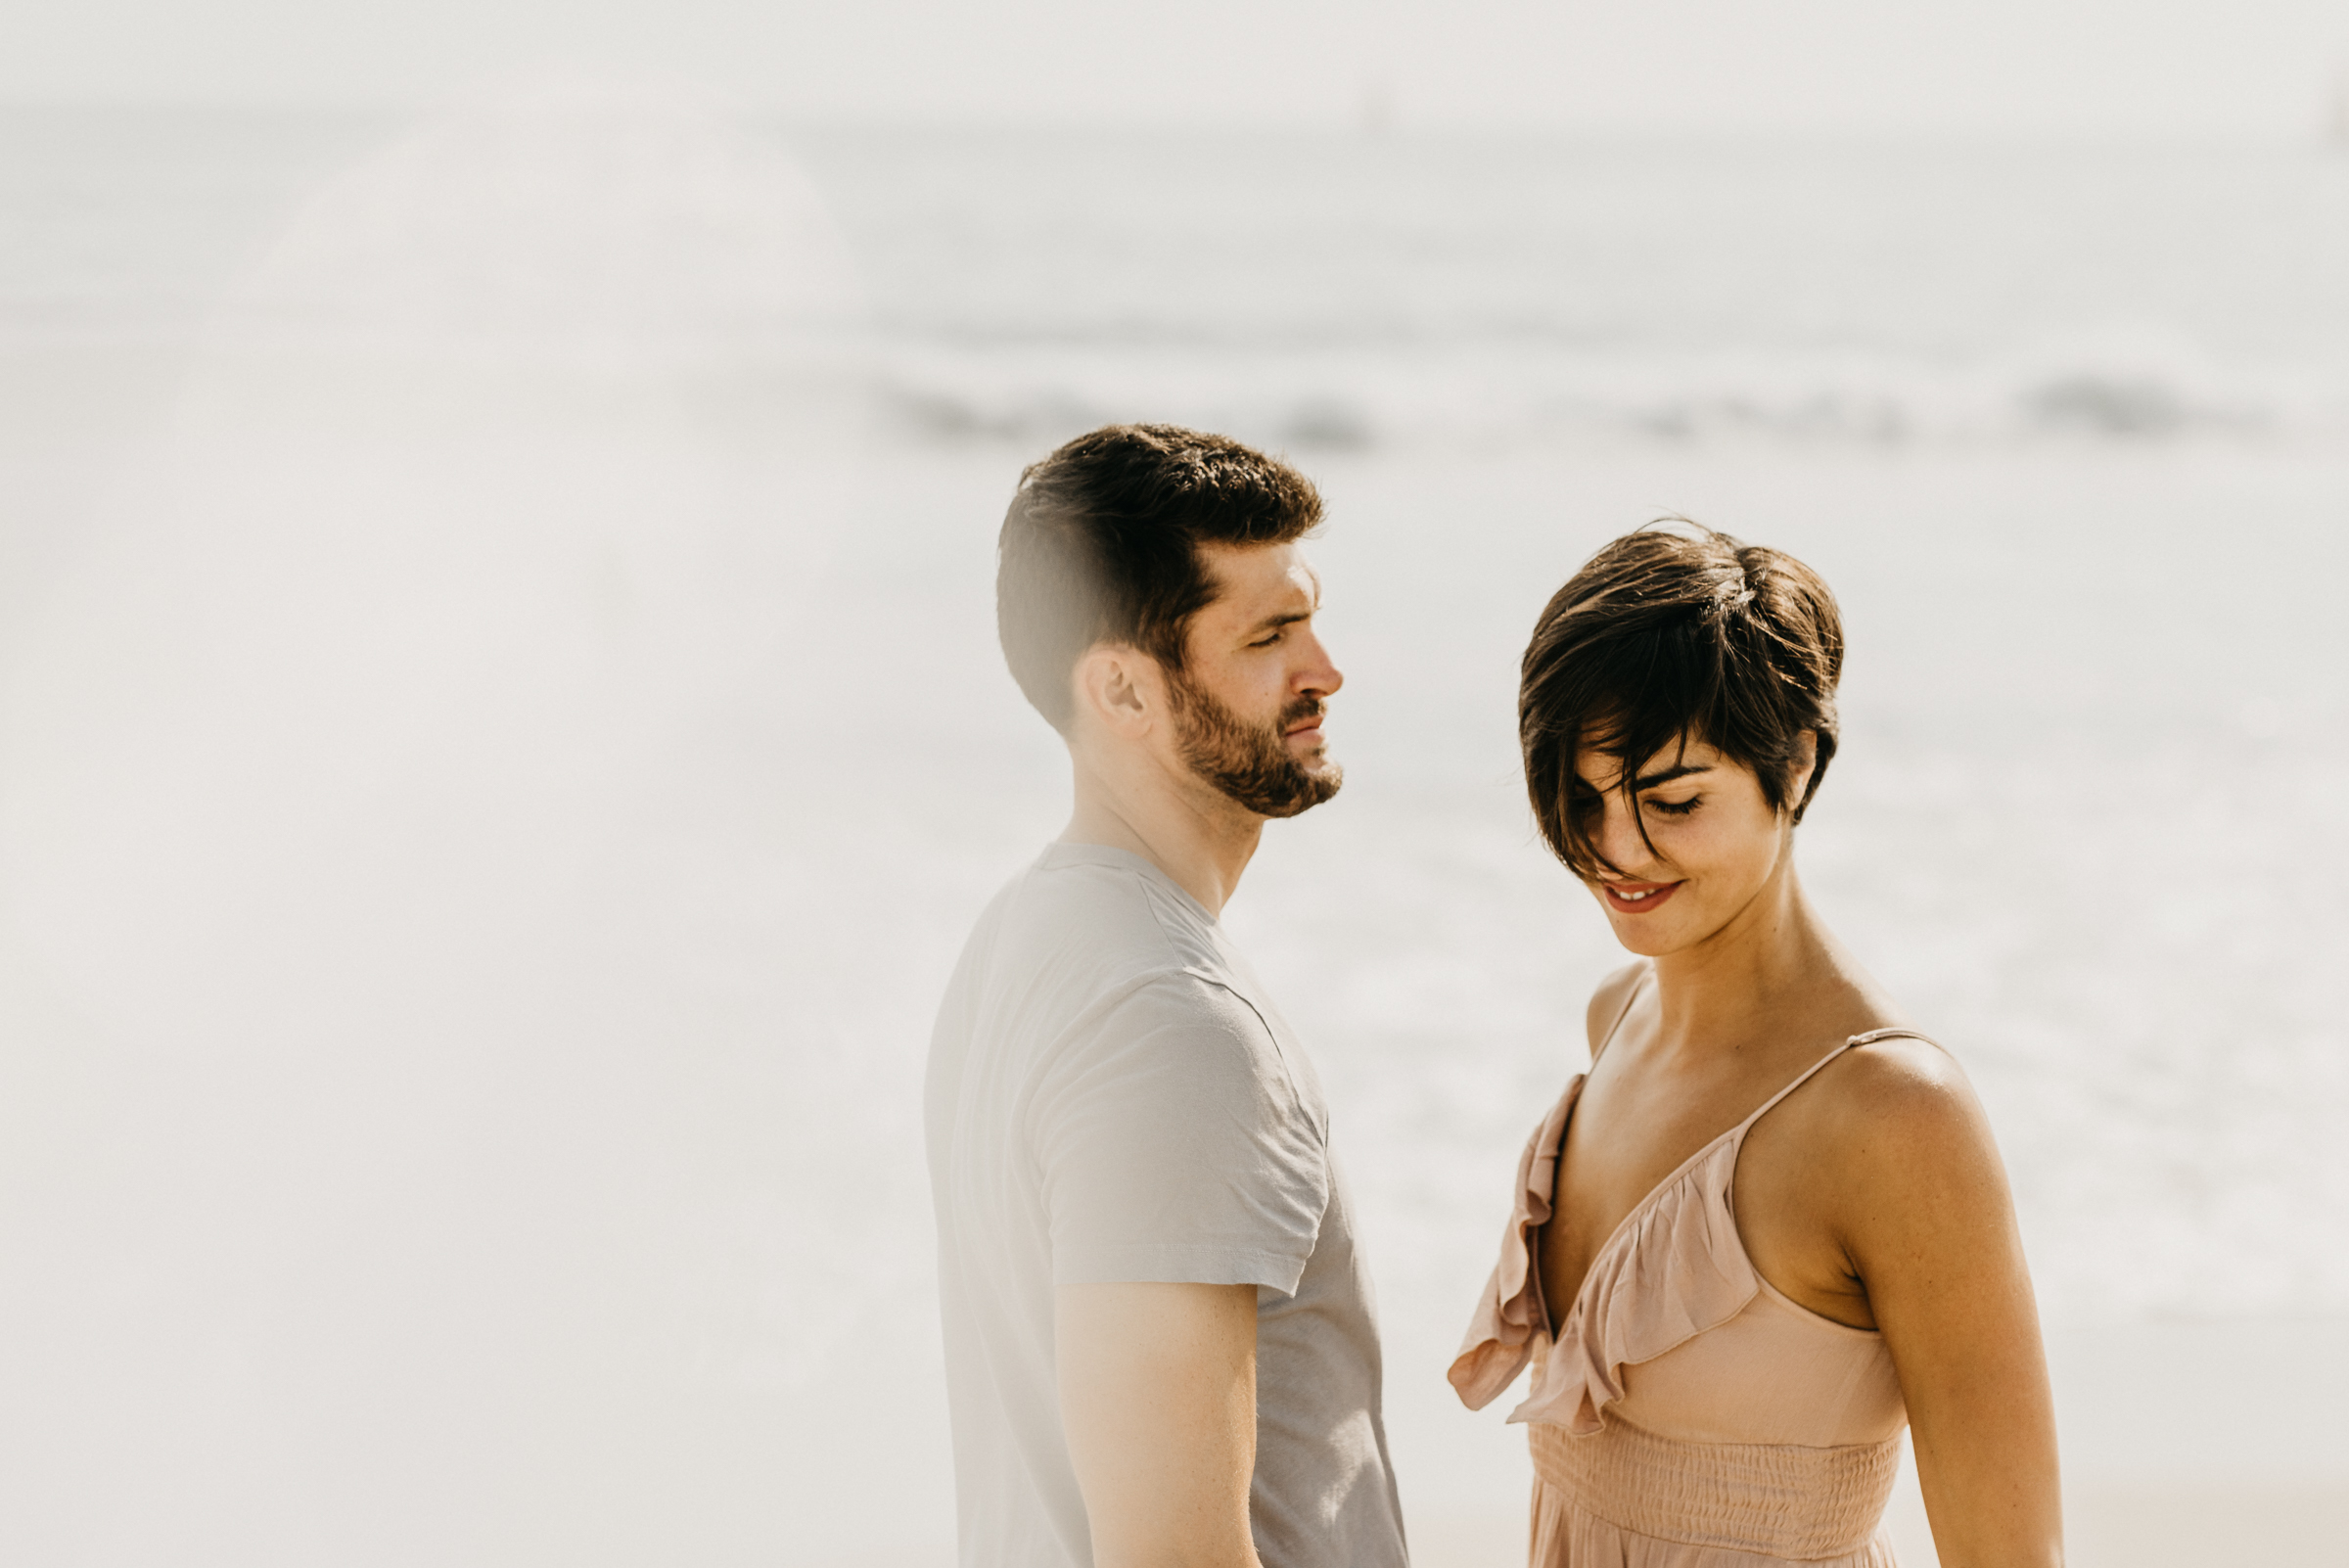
{"points": [[1640, 940], [1644, 935], [1654, 936]]}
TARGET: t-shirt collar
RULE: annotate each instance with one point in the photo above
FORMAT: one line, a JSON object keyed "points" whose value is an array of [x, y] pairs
{"points": [[1058, 854]]}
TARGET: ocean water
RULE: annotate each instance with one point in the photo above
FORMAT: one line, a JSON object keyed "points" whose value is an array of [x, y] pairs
{"points": [[501, 738]]}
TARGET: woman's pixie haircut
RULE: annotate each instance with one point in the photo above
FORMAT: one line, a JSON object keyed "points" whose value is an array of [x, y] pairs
{"points": [[1675, 634]]}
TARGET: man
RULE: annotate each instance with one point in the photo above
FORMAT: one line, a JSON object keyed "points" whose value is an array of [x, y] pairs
{"points": [[1160, 1346]]}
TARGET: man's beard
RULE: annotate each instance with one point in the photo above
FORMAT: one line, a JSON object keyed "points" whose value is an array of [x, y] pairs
{"points": [[1250, 763]]}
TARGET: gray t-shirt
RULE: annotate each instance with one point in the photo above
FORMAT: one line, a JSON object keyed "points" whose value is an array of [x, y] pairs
{"points": [[1111, 1097]]}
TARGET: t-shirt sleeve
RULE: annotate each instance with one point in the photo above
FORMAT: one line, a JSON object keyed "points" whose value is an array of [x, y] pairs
{"points": [[1175, 1146]]}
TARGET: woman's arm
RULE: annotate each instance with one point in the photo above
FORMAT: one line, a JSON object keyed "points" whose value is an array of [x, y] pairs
{"points": [[1927, 1224]]}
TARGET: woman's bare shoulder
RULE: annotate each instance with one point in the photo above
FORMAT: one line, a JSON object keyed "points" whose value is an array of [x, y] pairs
{"points": [[1899, 1066], [1612, 999], [1901, 1106]]}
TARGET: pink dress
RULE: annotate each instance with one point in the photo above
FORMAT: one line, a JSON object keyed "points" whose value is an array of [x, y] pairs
{"points": [[1686, 1414]]}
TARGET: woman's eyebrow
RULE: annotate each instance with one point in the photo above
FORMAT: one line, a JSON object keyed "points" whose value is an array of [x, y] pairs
{"points": [[1671, 773]]}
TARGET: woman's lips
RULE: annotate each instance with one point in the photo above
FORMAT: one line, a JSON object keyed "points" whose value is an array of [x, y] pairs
{"points": [[1638, 897]]}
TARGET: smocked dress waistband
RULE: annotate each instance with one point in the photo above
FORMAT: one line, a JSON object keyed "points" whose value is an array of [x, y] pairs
{"points": [[1769, 1499]]}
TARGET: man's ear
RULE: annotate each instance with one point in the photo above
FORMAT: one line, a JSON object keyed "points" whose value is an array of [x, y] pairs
{"points": [[1117, 687]]}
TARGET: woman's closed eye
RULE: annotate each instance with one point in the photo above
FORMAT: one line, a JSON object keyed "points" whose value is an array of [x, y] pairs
{"points": [[1674, 808]]}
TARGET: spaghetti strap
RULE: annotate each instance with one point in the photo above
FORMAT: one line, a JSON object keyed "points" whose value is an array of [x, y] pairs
{"points": [[1630, 998], [1804, 1076], [1875, 1035]]}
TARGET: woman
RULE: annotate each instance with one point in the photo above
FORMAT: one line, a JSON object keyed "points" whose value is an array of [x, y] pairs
{"points": [[1768, 1228]]}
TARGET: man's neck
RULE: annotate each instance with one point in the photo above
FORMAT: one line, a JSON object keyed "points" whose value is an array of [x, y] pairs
{"points": [[1200, 838]]}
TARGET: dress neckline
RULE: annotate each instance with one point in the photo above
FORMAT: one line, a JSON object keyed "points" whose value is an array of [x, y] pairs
{"points": [[1674, 1267], [1683, 1170]]}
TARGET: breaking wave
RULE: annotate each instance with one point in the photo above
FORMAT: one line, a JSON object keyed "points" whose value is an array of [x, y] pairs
{"points": [[1503, 395]]}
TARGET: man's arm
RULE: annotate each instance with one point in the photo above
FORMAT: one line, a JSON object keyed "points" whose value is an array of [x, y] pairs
{"points": [[1158, 1395]]}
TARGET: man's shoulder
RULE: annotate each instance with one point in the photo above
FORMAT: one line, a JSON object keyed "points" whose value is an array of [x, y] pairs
{"points": [[1105, 916], [1092, 958]]}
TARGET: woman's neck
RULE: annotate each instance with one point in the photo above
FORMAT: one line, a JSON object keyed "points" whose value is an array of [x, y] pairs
{"points": [[1772, 965]]}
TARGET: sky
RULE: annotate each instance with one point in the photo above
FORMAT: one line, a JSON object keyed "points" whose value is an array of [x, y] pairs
{"points": [[2236, 68]]}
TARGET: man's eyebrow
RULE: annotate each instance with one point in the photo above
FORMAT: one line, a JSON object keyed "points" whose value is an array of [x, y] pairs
{"points": [[1286, 618]]}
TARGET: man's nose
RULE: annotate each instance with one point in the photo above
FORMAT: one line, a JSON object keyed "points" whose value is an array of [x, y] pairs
{"points": [[1320, 674]]}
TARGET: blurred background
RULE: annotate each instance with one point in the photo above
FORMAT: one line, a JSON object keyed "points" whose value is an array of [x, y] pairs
{"points": [[502, 736]]}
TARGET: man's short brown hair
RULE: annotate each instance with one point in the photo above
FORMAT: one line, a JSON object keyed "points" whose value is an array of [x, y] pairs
{"points": [[1676, 633], [1101, 544]]}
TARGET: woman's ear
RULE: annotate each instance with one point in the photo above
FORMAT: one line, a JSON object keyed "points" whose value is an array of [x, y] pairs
{"points": [[1806, 763]]}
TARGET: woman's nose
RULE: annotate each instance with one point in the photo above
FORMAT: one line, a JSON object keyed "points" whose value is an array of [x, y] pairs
{"points": [[1619, 842]]}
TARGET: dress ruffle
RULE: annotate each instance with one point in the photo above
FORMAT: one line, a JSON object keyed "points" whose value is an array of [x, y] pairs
{"points": [[1673, 1268], [1510, 1323]]}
